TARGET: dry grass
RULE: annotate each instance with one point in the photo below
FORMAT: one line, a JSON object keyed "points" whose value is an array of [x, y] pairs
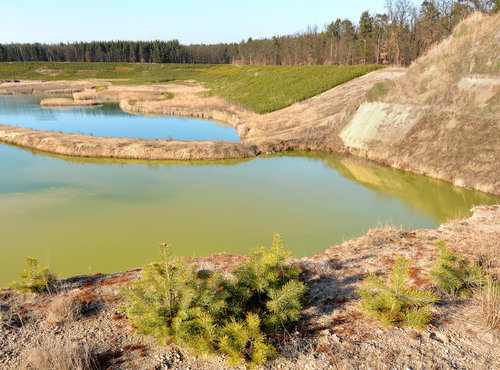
{"points": [[101, 88], [383, 234], [65, 102], [59, 353], [489, 298], [63, 309], [487, 254]]}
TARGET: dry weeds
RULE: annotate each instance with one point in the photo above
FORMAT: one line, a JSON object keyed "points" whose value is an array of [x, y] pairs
{"points": [[66, 102], [489, 298], [63, 309], [58, 352]]}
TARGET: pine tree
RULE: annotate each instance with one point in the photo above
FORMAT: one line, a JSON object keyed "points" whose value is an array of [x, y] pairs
{"points": [[35, 279], [212, 313], [454, 274], [396, 303]]}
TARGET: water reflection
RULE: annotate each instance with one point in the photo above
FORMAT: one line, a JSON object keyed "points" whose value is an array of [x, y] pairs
{"points": [[107, 120]]}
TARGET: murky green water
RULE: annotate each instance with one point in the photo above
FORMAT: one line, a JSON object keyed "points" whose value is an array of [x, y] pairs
{"points": [[85, 216]]}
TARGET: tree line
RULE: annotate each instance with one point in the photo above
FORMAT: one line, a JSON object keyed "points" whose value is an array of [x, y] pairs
{"points": [[396, 37]]}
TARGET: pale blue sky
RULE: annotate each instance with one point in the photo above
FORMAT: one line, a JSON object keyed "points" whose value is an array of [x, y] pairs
{"points": [[189, 21]]}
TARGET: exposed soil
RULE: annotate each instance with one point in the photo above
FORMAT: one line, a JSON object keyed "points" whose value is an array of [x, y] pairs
{"points": [[332, 333]]}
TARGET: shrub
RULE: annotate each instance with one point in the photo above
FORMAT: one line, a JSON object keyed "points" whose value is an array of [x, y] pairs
{"points": [[35, 279], [101, 88], [454, 274], [396, 303], [212, 313]]}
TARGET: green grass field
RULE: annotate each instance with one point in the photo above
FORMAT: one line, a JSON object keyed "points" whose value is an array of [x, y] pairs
{"points": [[260, 88]]}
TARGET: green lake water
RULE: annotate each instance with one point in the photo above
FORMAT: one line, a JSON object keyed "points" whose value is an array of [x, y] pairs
{"points": [[85, 216]]}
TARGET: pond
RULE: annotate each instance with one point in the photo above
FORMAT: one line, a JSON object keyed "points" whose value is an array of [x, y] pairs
{"points": [[87, 215], [108, 121]]}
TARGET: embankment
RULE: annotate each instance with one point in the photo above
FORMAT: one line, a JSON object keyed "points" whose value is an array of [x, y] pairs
{"points": [[442, 117]]}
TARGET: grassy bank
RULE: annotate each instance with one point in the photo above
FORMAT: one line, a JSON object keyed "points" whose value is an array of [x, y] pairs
{"points": [[260, 88]]}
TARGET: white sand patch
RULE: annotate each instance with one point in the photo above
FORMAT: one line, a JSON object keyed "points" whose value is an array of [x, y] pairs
{"points": [[379, 122], [467, 83]]}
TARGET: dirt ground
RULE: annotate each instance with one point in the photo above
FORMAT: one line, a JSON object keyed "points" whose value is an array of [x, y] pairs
{"points": [[332, 333]]}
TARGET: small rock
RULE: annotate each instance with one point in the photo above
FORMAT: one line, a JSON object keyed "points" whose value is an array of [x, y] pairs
{"points": [[336, 338]]}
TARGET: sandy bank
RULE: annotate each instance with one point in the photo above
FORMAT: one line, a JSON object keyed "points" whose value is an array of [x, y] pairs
{"points": [[66, 102]]}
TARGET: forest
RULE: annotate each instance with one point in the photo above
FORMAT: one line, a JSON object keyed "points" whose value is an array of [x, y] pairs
{"points": [[397, 37]]}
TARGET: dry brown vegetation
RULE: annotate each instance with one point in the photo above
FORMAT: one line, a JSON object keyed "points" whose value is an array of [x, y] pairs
{"points": [[62, 309], [66, 102], [59, 352], [489, 298]]}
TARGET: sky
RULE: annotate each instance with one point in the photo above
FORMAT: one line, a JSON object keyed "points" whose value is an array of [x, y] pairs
{"points": [[189, 21]]}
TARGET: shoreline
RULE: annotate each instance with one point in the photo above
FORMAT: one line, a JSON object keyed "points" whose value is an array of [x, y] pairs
{"points": [[315, 124]]}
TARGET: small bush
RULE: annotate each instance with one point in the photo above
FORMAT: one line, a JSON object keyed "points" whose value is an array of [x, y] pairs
{"points": [[454, 274], [212, 313], [35, 279], [101, 88], [168, 95], [396, 303]]}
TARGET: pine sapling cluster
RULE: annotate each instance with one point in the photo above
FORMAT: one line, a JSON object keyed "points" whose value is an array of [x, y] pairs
{"points": [[231, 314], [454, 274], [35, 279], [397, 303]]}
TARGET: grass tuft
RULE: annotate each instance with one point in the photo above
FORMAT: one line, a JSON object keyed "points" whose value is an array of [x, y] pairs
{"points": [[59, 353]]}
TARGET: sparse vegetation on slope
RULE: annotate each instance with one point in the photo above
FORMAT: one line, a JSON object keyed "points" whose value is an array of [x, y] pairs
{"points": [[260, 88]]}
